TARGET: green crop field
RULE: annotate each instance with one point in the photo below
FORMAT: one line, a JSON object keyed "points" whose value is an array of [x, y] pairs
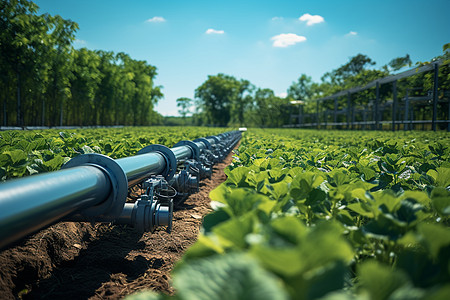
{"points": [[302, 214], [29, 152], [326, 214]]}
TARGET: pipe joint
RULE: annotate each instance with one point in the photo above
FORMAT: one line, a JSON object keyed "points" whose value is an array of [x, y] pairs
{"points": [[112, 207], [195, 149], [185, 183], [169, 157], [198, 169]]}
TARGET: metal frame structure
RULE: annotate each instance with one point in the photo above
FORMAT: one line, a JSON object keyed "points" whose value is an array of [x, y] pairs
{"points": [[401, 110], [94, 188]]}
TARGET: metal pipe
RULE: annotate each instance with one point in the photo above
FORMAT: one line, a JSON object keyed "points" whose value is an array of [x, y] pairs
{"points": [[211, 140], [141, 166], [201, 145], [31, 203], [91, 187], [182, 153]]}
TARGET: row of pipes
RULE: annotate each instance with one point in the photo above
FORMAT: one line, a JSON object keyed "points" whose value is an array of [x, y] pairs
{"points": [[95, 187]]}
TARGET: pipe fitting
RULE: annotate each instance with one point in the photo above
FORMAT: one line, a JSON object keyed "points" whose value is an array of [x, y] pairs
{"points": [[185, 183], [145, 215], [112, 207], [171, 160], [195, 149]]}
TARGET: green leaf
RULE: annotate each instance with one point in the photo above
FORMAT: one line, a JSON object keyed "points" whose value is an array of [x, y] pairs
{"points": [[443, 178], [237, 176], [440, 293], [56, 162], [385, 226], [2, 173], [86, 150], [317, 248], [440, 197], [284, 261], [232, 233], [18, 158], [436, 237], [326, 279], [204, 246], [213, 219], [241, 201], [380, 281], [147, 295], [290, 228], [232, 276], [303, 183], [361, 209]]}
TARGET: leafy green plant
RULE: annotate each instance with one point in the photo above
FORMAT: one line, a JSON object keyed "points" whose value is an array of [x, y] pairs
{"points": [[331, 218]]}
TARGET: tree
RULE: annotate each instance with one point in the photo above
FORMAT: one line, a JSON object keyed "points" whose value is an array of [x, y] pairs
{"points": [[241, 102], [220, 96], [43, 76], [356, 65], [184, 104], [400, 62], [28, 43], [302, 89]]}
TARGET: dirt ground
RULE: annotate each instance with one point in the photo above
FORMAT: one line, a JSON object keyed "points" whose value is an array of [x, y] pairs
{"points": [[100, 261]]}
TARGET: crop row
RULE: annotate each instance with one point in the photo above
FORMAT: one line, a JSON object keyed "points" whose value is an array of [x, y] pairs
{"points": [[25, 153], [325, 215]]}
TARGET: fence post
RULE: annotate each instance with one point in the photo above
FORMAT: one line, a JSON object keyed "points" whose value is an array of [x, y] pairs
{"points": [[435, 95], [394, 104], [335, 112], [348, 110], [405, 124], [377, 100], [317, 114]]}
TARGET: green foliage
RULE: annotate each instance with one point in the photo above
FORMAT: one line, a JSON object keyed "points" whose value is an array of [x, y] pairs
{"points": [[25, 153], [45, 81], [184, 104], [330, 215], [221, 98]]}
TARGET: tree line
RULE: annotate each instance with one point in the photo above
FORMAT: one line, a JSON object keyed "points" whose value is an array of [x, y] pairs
{"points": [[44, 81], [223, 100]]}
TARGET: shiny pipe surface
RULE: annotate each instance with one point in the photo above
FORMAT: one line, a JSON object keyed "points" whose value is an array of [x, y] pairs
{"points": [[211, 141], [182, 153], [201, 145], [32, 203], [139, 167]]}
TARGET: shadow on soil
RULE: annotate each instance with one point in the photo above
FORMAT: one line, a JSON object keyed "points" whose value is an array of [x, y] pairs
{"points": [[81, 277]]}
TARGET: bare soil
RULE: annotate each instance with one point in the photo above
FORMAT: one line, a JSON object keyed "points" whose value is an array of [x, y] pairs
{"points": [[101, 261]]}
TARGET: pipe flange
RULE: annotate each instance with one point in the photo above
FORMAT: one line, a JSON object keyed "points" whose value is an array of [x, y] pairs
{"points": [[171, 160], [204, 141], [112, 207], [192, 145]]}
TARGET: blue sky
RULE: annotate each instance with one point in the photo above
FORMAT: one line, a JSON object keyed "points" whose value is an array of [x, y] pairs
{"points": [[269, 43]]}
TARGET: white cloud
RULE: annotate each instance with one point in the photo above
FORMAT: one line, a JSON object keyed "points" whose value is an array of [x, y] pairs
{"points": [[213, 31], [352, 33], [277, 18], [156, 20], [311, 20], [282, 95], [77, 43], [287, 39], [80, 42]]}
